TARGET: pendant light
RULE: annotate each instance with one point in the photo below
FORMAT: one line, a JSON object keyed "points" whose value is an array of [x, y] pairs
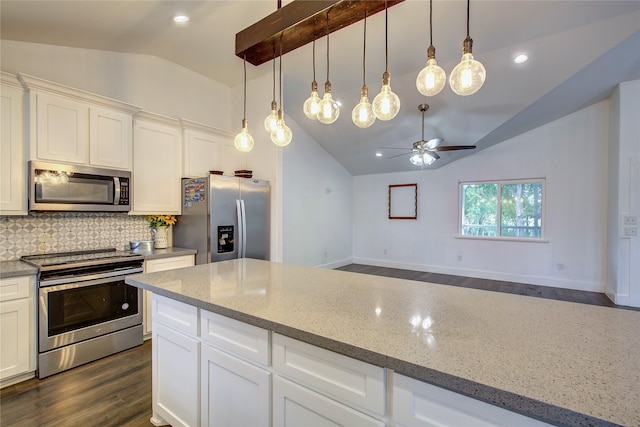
{"points": [[272, 118], [469, 75], [311, 105], [432, 78], [244, 141], [362, 114], [328, 110], [281, 135], [386, 104]]}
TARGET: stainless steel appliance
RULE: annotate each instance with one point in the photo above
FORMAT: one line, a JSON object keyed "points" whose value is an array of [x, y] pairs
{"points": [[224, 217], [85, 310], [59, 187]]}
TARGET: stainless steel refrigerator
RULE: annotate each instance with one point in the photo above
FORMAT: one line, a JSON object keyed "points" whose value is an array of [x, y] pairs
{"points": [[224, 217]]}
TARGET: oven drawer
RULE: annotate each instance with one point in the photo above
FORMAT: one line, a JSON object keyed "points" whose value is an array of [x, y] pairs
{"points": [[15, 288]]}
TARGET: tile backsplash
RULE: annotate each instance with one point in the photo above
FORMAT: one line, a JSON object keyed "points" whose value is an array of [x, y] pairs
{"points": [[60, 232]]}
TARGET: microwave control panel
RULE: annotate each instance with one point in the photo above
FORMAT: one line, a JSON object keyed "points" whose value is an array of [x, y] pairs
{"points": [[124, 191]]}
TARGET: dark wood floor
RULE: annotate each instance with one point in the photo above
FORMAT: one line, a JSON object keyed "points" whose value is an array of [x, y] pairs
{"points": [[584, 297], [114, 391]]}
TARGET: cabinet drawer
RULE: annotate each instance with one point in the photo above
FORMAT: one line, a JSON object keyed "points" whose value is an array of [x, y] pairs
{"points": [[246, 341], [177, 315], [171, 263], [341, 377], [418, 404], [15, 288]]}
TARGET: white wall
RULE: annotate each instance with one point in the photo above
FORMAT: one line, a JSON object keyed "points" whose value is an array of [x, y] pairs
{"points": [[623, 262], [571, 153], [317, 204]]}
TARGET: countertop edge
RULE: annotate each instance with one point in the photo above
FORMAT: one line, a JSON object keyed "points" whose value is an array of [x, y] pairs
{"points": [[166, 253], [16, 268], [529, 407]]}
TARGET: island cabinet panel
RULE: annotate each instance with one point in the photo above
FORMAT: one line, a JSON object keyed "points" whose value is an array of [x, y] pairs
{"points": [[418, 404], [179, 316], [340, 377], [241, 339], [294, 405], [233, 392]]}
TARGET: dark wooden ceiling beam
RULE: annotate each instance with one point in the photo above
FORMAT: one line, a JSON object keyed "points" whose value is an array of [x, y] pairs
{"points": [[300, 22]]}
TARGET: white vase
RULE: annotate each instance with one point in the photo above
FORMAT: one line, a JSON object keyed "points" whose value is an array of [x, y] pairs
{"points": [[160, 236]]}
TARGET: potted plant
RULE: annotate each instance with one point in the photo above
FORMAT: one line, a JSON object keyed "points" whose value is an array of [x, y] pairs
{"points": [[161, 229]]}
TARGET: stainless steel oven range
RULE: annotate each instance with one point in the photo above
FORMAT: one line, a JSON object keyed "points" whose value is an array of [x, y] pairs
{"points": [[85, 310]]}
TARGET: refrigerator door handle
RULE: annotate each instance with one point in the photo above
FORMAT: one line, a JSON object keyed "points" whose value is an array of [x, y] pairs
{"points": [[244, 230], [240, 229]]}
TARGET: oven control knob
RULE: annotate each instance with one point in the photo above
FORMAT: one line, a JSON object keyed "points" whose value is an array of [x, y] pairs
{"points": [[125, 306]]}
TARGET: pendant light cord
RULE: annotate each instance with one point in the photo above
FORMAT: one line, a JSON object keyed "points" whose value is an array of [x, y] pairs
{"points": [[364, 51], [281, 104], [244, 63], [327, 45], [314, 59], [386, 42], [274, 73], [468, 7], [431, 23]]}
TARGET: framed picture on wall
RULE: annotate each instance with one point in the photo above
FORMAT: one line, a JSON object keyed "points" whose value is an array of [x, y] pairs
{"points": [[403, 201]]}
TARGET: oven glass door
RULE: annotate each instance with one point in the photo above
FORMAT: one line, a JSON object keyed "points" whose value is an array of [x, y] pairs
{"points": [[75, 312]]}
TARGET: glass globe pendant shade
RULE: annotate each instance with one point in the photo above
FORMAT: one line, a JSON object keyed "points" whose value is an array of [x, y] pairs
{"points": [[311, 105], [272, 118], [469, 75], [362, 114], [244, 141], [282, 134], [386, 104], [432, 78], [416, 159], [328, 109]]}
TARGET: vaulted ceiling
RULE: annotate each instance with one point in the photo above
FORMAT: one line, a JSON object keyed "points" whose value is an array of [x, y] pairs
{"points": [[578, 52]]}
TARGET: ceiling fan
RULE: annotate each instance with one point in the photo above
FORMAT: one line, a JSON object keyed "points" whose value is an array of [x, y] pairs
{"points": [[425, 152]]}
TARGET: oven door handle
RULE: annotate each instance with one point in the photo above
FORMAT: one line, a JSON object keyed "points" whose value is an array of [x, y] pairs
{"points": [[80, 280]]}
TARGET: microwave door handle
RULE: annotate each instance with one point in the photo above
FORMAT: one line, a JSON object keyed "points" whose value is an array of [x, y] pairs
{"points": [[116, 193]]}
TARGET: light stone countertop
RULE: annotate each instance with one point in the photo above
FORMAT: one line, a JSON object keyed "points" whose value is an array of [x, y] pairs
{"points": [[561, 362], [165, 253], [15, 269]]}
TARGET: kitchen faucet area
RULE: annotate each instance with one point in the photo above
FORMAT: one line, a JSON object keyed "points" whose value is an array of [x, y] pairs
{"points": [[269, 213]]}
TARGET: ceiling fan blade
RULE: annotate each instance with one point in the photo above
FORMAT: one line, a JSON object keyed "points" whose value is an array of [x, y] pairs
{"points": [[433, 154], [454, 147], [394, 148], [398, 155], [433, 143]]}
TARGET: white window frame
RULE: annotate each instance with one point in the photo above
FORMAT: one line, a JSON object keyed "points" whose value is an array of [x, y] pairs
{"points": [[499, 183]]}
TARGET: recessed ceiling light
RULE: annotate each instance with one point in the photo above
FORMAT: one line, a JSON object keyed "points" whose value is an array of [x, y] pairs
{"points": [[378, 154], [180, 19], [520, 58]]}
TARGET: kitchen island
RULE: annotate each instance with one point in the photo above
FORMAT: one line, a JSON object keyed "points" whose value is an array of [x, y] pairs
{"points": [[558, 362]]}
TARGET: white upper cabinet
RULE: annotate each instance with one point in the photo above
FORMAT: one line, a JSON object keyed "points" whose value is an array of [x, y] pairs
{"points": [[157, 160], [13, 167], [205, 149], [72, 126]]}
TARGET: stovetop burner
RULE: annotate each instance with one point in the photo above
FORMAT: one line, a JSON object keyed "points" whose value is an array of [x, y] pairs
{"points": [[60, 260]]}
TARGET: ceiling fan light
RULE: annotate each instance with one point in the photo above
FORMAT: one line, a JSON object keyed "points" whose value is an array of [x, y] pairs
{"points": [[362, 114], [416, 159], [427, 159], [431, 79]]}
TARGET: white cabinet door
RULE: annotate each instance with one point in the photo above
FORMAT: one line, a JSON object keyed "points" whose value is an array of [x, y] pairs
{"points": [[233, 392], [203, 151], [14, 338], [62, 129], [157, 163], [151, 266], [13, 170], [175, 377], [418, 404], [110, 136], [294, 405]]}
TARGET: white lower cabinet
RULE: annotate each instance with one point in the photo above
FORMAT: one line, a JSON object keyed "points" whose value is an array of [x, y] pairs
{"points": [[233, 392], [295, 405], [151, 266], [418, 404], [17, 329]]}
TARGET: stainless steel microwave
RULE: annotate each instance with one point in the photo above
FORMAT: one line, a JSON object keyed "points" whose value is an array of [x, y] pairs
{"points": [[60, 187]]}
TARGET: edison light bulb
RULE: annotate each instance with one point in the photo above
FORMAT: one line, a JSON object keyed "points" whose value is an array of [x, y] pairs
{"points": [[272, 118], [362, 114], [386, 104], [243, 141], [328, 108], [431, 78], [469, 75], [282, 134], [311, 105]]}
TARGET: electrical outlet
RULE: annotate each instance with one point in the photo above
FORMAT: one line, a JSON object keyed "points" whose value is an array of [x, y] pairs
{"points": [[630, 220], [561, 266], [385, 251], [630, 231], [459, 256]]}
